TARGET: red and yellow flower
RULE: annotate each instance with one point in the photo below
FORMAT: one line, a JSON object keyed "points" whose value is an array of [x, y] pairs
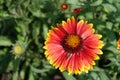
{"points": [[118, 45], [73, 46]]}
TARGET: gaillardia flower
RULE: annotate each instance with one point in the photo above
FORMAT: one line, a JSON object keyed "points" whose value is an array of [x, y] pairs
{"points": [[73, 46], [64, 6], [118, 45]]}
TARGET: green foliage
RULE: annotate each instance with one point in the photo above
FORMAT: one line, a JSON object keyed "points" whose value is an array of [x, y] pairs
{"points": [[28, 21]]}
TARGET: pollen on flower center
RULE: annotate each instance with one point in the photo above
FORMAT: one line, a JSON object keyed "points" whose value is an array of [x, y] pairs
{"points": [[72, 43]]}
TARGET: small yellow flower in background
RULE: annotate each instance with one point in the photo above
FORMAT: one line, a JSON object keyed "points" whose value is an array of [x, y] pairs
{"points": [[64, 6], [18, 49], [73, 46]]}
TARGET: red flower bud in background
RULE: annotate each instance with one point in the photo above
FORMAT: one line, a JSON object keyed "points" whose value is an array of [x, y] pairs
{"points": [[118, 45]]}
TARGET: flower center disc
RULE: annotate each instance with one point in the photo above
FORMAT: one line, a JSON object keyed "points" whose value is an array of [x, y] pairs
{"points": [[71, 43], [64, 6]]}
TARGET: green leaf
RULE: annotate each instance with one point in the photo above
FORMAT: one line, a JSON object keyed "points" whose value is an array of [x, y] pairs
{"points": [[15, 75], [72, 1], [109, 25], [95, 76], [110, 1], [45, 30], [36, 30], [99, 74], [111, 48], [103, 75], [4, 41], [38, 70], [111, 37], [68, 77], [16, 63], [22, 73], [96, 3], [4, 61], [118, 19], [109, 8], [3, 14], [89, 15], [1, 1], [31, 76]]}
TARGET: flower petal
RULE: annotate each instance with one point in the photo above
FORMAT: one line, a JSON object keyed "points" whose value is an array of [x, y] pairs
{"points": [[70, 64], [51, 51], [57, 61], [56, 33], [78, 66], [93, 42], [64, 64], [95, 50], [70, 25], [84, 29], [80, 26]]}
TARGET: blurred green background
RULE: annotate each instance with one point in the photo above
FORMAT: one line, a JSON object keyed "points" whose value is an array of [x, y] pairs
{"points": [[26, 22]]}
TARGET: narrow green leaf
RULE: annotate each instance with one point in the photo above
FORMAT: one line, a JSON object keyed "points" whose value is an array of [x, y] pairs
{"points": [[111, 37], [96, 3], [112, 48], [109, 25], [16, 63], [31, 76], [22, 74], [109, 8], [72, 1], [95, 76], [15, 75], [45, 30], [1, 1], [38, 70], [68, 77], [103, 76], [4, 41]]}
